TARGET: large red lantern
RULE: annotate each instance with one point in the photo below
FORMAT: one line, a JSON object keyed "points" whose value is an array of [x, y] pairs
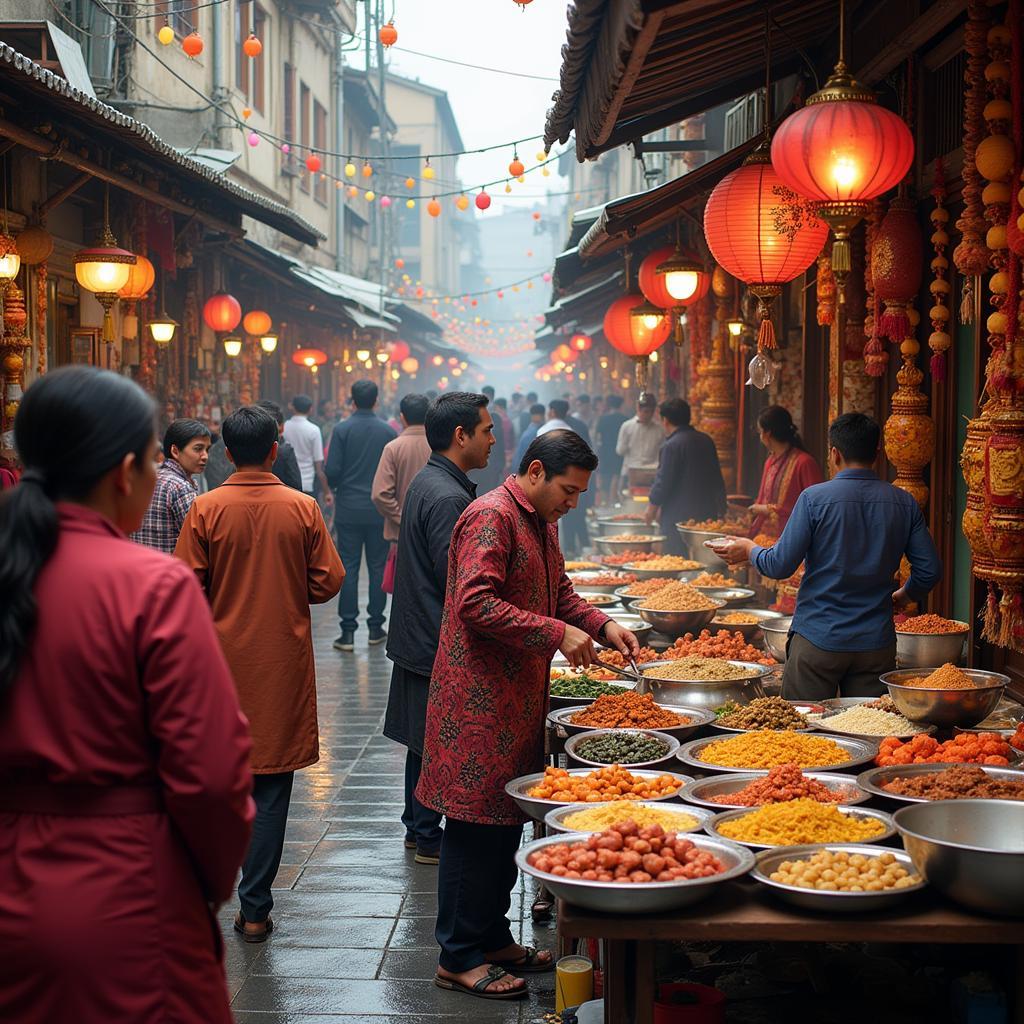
{"points": [[842, 149], [762, 232], [222, 312], [631, 336], [897, 265], [257, 323], [388, 35], [399, 350], [309, 357]]}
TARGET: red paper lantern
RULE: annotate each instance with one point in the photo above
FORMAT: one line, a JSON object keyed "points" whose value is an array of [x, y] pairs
{"points": [[388, 35], [192, 44], [581, 342], [222, 312], [483, 200], [313, 163], [309, 357], [140, 279], [897, 265], [628, 334], [653, 284], [562, 352], [762, 232], [252, 47], [257, 323], [399, 351]]}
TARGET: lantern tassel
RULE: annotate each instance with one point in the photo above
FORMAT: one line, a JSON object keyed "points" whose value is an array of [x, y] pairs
{"points": [[967, 302], [990, 617], [875, 358], [1011, 619], [766, 332], [895, 323], [766, 335], [938, 367]]}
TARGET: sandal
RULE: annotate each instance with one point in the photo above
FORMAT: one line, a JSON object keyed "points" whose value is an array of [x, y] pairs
{"points": [[529, 963], [494, 973], [261, 936]]}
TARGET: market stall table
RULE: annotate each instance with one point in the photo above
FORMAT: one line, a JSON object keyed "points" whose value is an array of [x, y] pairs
{"points": [[742, 911]]}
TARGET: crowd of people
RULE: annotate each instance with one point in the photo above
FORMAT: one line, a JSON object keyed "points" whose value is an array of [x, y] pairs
{"points": [[156, 663]]}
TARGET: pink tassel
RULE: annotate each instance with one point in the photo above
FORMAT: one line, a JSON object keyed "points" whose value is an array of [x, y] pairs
{"points": [[895, 325], [938, 367], [875, 358]]}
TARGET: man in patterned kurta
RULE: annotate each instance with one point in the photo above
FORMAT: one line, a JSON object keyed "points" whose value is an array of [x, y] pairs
{"points": [[508, 609]]}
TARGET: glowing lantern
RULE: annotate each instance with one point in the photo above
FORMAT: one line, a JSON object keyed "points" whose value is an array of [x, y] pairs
{"points": [[462, 202], [268, 343], [257, 322], [562, 352], [388, 35], [482, 200], [522, 4], [434, 208], [313, 163], [516, 168], [222, 312], [247, 113], [410, 365], [581, 342], [309, 357], [103, 269], [252, 47], [369, 195], [398, 351], [631, 336], [350, 170], [410, 204], [536, 215], [166, 35], [437, 360], [233, 347], [254, 139], [385, 201], [367, 171], [351, 191], [192, 44], [762, 233], [428, 171], [141, 276], [285, 148], [399, 263]]}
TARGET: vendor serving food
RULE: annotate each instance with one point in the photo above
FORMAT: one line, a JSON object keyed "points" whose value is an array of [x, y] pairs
{"points": [[851, 534]]}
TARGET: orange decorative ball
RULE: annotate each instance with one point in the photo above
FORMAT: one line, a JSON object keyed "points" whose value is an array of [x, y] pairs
{"points": [[256, 322], [434, 208], [313, 163], [516, 168], [252, 47], [388, 35], [192, 44]]}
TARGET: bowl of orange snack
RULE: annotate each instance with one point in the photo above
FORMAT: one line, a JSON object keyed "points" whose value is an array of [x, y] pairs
{"points": [[963, 748]]}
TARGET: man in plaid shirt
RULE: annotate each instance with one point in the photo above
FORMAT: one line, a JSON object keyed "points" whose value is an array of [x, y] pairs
{"points": [[186, 448]]}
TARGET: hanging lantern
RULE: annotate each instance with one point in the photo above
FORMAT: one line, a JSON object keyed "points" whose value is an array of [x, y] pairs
{"points": [[268, 342], [410, 365], [841, 149], [428, 171], [762, 233], [313, 163], [562, 352], [310, 357], [257, 322], [367, 171], [897, 263], [410, 204], [629, 334], [516, 167], [388, 35], [192, 44], [581, 342], [462, 202], [233, 347], [434, 208], [410, 182], [162, 329], [399, 263], [350, 170], [35, 245], [254, 139], [385, 201], [252, 47], [522, 4], [141, 276], [222, 312], [536, 215], [482, 200], [10, 258], [399, 350], [165, 35], [369, 195], [247, 113]]}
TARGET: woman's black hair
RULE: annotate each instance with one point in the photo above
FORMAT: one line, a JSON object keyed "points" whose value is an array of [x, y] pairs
{"points": [[776, 421], [73, 426]]}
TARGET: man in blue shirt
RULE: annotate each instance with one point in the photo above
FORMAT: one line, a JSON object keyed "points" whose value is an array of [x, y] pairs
{"points": [[851, 534]]}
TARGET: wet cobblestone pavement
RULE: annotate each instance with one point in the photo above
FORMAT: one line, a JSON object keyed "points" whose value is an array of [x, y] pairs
{"points": [[353, 941]]}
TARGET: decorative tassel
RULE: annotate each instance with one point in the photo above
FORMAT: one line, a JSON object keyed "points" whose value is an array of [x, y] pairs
{"points": [[938, 367], [895, 323], [1011, 619], [967, 301], [766, 334], [990, 617], [876, 359]]}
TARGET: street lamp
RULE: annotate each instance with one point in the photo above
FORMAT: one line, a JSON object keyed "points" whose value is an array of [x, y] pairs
{"points": [[268, 343], [233, 346]]}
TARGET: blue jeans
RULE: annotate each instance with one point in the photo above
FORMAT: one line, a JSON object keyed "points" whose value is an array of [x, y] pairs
{"points": [[352, 539], [422, 823]]}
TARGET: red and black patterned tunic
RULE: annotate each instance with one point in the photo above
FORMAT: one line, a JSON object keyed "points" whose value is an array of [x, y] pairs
{"points": [[505, 611]]}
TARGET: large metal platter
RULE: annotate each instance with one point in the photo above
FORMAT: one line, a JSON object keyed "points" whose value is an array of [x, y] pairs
{"points": [[600, 600], [664, 761], [860, 752], [701, 791], [751, 630], [711, 826], [554, 818], [649, 898], [536, 808], [582, 582], [822, 725], [752, 671], [697, 716], [872, 780], [555, 702], [832, 902], [946, 708], [640, 570], [613, 545]]}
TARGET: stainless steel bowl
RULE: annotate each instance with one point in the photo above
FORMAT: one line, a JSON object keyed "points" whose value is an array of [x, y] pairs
{"points": [[613, 545], [709, 694], [582, 582], [732, 597], [641, 573], [676, 623], [554, 820], [701, 791], [599, 599], [822, 724], [751, 630], [831, 902], [698, 719], [640, 629], [873, 780], [649, 898], [534, 807], [915, 650], [776, 635], [693, 546], [860, 752], [613, 527], [712, 826], [671, 745], [971, 850], [946, 708]]}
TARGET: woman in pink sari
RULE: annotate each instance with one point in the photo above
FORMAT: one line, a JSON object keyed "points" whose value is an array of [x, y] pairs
{"points": [[788, 471]]}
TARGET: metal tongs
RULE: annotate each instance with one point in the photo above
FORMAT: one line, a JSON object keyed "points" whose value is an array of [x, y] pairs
{"points": [[642, 686]]}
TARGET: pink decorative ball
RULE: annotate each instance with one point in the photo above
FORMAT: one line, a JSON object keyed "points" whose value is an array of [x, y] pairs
{"points": [[254, 139], [385, 200], [285, 148]]}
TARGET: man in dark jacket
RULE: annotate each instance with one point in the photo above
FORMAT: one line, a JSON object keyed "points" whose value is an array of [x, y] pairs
{"points": [[286, 465], [688, 484], [352, 459], [493, 474], [460, 433]]}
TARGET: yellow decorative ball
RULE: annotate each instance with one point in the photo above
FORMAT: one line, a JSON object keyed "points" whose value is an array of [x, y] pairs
{"points": [[940, 314], [940, 237], [998, 110], [410, 204], [997, 323], [14, 363], [369, 196], [995, 192], [940, 263], [999, 283], [166, 35], [909, 347], [995, 237], [994, 157], [940, 215], [350, 170], [997, 71], [913, 316], [939, 341], [939, 286]]}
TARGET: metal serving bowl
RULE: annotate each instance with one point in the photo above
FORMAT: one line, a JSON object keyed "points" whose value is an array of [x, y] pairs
{"points": [[831, 902], [915, 650], [649, 898], [693, 546], [712, 826], [704, 693], [860, 752], [970, 850], [535, 807], [822, 725], [671, 743], [613, 545], [555, 819], [640, 629], [581, 582], [873, 780], [732, 597], [751, 630], [599, 599], [946, 708], [701, 791], [639, 570], [776, 635], [676, 623], [607, 527], [698, 719]]}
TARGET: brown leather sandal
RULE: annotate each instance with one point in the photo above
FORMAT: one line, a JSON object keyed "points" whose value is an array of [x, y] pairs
{"points": [[480, 988], [253, 936]]}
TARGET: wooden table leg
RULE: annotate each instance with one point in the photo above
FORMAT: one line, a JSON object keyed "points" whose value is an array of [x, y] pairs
{"points": [[643, 982], [616, 1005]]}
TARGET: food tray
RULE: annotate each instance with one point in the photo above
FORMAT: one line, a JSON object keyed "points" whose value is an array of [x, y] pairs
{"points": [[700, 791], [698, 719], [860, 753], [581, 582], [641, 572], [535, 807], [649, 898], [555, 702], [946, 708], [731, 597], [797, 705], [711, 826], [831, 902], [665, 760], [753, 671], [554, 818], [871, 780], [822, 725], [598, 599], [752, 630], [610, 545]]}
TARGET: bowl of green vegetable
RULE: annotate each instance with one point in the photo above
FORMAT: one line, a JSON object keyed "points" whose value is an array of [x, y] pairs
{"points": [[634, 748], [571, 689]]}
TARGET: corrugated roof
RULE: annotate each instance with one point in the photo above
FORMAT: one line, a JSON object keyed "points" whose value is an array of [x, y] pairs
{"points": [[23, 72]]}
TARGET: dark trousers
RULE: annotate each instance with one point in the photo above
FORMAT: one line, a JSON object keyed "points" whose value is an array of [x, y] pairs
{"points": [[813, 674], [673, 543], [272, 794], [352, 539], [422, 823], [474, 887], [574, 531]]}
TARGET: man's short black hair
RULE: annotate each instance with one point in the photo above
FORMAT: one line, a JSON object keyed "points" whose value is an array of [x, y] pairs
{"points": [[676, 411], [302, 404], [450, 410], [517, 396], [537, 409], [273, 408], [249, 434], [531, 396], [322, 405], [560, 407], [556, 451], [856, 436], [414, 409], [488, 391], [613, 401], [180, 432], [583, 399], [501, 403], [364, 394]]}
